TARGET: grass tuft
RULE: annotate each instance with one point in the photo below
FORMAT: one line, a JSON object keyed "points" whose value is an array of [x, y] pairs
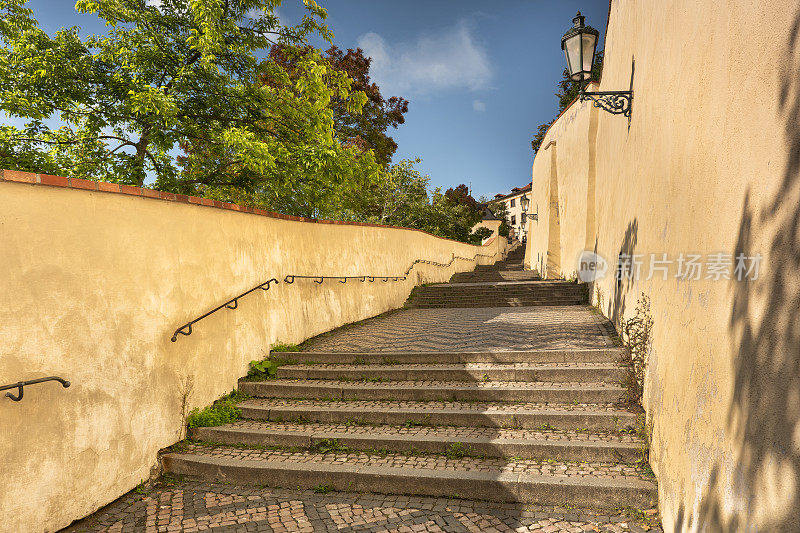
{"points": [[221, 412]]}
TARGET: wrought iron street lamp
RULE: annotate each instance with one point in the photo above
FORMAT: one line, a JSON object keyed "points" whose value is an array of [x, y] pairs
{"points": [[579, 45], [524, 202]]}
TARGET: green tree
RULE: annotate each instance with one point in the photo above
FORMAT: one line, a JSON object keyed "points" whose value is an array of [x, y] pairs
{"points": [[398, 198], [568, 91], [402, 197], [366, 128], [183, 72], [455, 214]]}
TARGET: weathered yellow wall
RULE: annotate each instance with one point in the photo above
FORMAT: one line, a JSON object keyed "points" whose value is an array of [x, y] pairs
{"points": [[93, 286], [709, 163], [536, 245], [493, 225]]}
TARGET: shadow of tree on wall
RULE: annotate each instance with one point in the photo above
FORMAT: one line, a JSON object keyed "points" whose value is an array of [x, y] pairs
{"points": [[764, 416], [624, 273]]}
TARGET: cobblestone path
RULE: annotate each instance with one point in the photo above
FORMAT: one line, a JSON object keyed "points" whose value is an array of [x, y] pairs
{"points": [[197, 506], [476, 329]]}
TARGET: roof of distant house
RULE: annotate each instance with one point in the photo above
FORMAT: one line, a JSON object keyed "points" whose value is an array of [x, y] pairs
{"points": [[487, 214], [516, 191]]}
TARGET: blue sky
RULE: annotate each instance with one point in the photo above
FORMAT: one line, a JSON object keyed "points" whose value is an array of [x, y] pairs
{"points": [[480, 76]]}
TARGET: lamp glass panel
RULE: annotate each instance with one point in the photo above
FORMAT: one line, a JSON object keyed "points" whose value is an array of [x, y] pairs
{"points": [[572, 49], [569, 64], [589, 43]]}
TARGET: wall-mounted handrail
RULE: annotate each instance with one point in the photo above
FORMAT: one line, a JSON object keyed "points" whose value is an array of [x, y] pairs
{"points": [[233, 303], [20, 384]]}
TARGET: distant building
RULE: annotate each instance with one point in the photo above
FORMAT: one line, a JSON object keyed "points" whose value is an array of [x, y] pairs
{"points": [[488, 221], [518, 206]]}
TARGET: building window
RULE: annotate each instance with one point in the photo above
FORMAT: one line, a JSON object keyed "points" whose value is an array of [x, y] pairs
{"points": [[513, 219], [512, 202]]}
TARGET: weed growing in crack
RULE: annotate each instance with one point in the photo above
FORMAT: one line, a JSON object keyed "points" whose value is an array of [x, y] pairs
{"points": [[222, 411], [457, 450], [267, 368], [644, 430], [141, 489], [329, 446], [283, 347], [324, 488], [648, 519], [637, 336]]}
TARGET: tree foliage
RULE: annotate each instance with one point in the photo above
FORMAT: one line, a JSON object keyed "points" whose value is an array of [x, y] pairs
{"points": [[366, 128], [183, 72], [568, 91], [295, 131], [403, 198]]}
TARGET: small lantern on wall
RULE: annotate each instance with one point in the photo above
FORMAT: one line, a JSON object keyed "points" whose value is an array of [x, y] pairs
{"points": [[580, 45], [524, 202]]}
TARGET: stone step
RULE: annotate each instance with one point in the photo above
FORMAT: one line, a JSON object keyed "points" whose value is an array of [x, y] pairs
{"points": [[522, 297], [514, 267], [511, 262], [458, 372], [499, 292], [552, 444], [599, 485], [519, 284], [593, 417], [502, 303], [490, 391], [491, 278], [569, 356], [498, 301]]}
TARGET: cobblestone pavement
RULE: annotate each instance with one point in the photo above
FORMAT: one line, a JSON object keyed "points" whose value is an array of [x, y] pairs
{"points": [[455, 432], [570, 469], [194, 506], [424, 407], [439, 385], [470, 329], [459, 366]]}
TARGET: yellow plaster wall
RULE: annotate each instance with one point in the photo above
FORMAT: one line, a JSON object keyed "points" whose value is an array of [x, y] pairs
{"points": [[94, 284], [710, 162], [493, 225]]}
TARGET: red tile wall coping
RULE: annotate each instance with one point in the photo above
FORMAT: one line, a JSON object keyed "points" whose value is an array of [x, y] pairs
{"points": [[102, 186]]}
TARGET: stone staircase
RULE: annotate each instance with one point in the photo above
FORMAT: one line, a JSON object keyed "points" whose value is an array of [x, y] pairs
{"points": [[499, 294], [514, 405], [511, 269], [504, 284]]}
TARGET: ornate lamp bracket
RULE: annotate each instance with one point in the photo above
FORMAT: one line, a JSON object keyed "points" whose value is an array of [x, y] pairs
{"points": [[615, 102]]}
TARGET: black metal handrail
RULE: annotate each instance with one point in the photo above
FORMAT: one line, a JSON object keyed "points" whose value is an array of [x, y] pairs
{"points": [[233, 303], [20, 384]]}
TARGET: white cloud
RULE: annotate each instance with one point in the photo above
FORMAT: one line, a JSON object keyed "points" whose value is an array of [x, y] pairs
{"points": [[478, 106], [449, 60]]}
